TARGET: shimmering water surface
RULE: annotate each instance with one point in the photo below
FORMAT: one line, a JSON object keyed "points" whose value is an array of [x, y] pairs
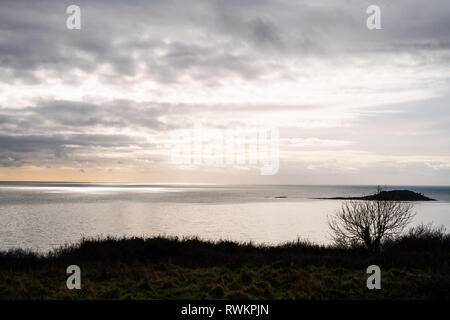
{"points": [[42, 216]]}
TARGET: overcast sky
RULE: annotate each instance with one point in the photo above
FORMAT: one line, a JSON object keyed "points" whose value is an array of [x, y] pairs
{"points": [[353, 106]]}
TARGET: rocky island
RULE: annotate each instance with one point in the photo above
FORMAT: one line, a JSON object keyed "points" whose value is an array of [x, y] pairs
{"points": [[393, 195]]}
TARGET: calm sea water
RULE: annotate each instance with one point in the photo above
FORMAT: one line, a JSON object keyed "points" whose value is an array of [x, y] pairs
{"points": [[43, 216]]}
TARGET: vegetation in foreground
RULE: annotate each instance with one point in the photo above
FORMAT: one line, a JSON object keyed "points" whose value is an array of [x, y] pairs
{"points": [[414, 266]]}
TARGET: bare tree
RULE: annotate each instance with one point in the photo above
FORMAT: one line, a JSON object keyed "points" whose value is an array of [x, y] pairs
{"points": [[368, 222]]}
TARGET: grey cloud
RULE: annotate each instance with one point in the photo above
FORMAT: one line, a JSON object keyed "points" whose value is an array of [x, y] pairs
{"points": [[208, 42], [150, 117], [75, 116], [59, 130], [31, 143], [205, 40], [18, 150]]}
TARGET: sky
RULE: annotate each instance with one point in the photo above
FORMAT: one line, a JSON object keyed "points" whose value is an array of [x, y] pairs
{"points": [[102, 103]]}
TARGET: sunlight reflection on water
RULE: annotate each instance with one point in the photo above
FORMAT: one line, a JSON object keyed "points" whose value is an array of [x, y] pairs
{"points": [[49, 216]]}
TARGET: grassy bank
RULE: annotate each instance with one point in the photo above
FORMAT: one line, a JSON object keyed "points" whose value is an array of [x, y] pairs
{"points": [[414, 266]]}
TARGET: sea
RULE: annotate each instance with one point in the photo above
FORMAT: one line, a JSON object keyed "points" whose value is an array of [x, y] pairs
{"points": [[42, 216]]}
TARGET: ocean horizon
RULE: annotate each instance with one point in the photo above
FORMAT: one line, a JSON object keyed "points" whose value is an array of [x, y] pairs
{"points": [[42, 216]]}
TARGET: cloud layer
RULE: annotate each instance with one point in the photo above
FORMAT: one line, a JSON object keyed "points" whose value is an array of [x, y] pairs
{"points": [[353, 105]]}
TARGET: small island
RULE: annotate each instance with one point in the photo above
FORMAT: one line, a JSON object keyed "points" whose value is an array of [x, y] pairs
{"points": [[393, 195]]}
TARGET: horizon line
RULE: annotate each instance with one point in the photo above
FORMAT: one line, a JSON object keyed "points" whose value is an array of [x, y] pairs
{"points": [[221, 184]]}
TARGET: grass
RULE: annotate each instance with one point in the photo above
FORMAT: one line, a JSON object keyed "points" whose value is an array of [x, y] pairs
{"points": [[414, 266]]}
